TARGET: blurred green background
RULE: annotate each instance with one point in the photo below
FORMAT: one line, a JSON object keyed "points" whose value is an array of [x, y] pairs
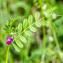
{"points": [[41, 46]]}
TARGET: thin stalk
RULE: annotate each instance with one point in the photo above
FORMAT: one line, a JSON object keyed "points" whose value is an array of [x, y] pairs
{"points": [[7, 53], [44, 38], [54, 34], [40, 3], [44, 35]]}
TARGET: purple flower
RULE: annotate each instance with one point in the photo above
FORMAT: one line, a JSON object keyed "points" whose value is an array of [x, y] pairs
{"points": [[9, 40]]}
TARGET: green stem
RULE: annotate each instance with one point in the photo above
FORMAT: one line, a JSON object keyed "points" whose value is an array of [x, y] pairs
{"points": [[44, 36], [55, 37], [54, 34], [7, 53], [40, 3]]}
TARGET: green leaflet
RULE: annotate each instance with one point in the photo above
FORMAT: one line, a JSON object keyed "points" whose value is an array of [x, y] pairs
{"points": [[23, 39], [38, 23], [18, 42], [36, 16], [30, 19], [33, 29], [20, 27], [37, 20], [16, 47], [28, 33], [25, 23]]}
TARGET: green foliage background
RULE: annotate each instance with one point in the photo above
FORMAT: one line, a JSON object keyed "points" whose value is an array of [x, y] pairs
{"points": [[37, 30]]}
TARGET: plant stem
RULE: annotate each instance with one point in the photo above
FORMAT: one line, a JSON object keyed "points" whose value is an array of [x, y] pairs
{"points": [[44, 36], [7, 54], [55, 37], [54, 34], [40, 3]]}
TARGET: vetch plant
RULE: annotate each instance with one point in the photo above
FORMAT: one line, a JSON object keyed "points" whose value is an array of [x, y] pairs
{"points": [[22, 30], [18, 34]]}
